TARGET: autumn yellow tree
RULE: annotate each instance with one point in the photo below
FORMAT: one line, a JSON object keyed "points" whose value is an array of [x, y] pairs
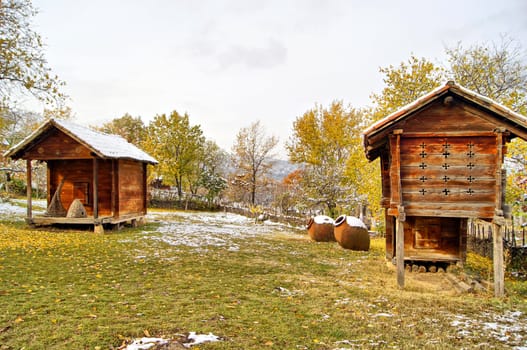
{"points": [[132, 129], [495, 70], [405, 83], [176, 144], [326, 142], [23, 66]]}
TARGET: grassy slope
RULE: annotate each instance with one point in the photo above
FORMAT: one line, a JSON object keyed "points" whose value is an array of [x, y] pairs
{"points": [[77, 290]]}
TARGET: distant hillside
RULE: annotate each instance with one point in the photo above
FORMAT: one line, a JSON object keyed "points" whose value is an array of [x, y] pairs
{"points": [[282, 168]]}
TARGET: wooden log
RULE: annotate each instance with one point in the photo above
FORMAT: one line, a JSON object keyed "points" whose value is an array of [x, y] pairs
{"points": [[432, 268], [95, 188], [399, 251], [29, 190], [421, 269], [499, 273]]}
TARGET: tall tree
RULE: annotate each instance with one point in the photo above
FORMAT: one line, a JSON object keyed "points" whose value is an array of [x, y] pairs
{"points": [[176, 145], [132, 129], [323, 141], [252, 153], [23, 67], [405, 83], [495, 70], [498, 71], [212, 170]]}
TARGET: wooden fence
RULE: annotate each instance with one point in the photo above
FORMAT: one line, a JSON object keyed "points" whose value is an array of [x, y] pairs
{"points": [[514, 241]]}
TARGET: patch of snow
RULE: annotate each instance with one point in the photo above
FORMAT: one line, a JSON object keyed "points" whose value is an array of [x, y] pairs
{"points": [[355, 222], [323, 219], [201, 230], [509, 327], [12, 208], [8, 209], [286, 292], [145, 343], [200, 338]]}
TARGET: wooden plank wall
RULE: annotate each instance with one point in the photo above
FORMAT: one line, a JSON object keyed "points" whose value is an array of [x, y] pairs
{"points": [[57, 145], [449, 176], [79, 171], [131, 192]]}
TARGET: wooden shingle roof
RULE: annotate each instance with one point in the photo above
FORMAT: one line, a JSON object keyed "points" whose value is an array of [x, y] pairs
{"points": [[103, 145], [502, 116]]}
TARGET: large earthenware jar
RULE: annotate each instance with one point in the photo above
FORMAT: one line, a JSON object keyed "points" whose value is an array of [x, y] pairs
{"points": [[351, 233], [320, 228]]}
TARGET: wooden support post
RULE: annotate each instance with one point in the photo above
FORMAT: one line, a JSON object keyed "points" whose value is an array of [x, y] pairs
{"points": [[397, 200], [499, 221], [29, 191], [95, 189], [499, 269], [399, 251]]}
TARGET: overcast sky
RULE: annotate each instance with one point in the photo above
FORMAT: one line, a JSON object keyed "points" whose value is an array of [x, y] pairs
{"points": [[228, 63]]}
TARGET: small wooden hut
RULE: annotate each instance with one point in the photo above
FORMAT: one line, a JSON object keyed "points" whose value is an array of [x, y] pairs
{"points": [[442, 163], [103, 175]]}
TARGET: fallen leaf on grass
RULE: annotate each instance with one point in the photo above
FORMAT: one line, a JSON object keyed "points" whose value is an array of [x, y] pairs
{"points": [[19, 319]]}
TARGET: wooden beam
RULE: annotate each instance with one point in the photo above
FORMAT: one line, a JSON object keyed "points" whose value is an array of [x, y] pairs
{"points": [[145, 186], [395, 168], [29, 190], [95, 188], [499, 161], [497, 236], [399, 249], [114, 191], [498, 221]]}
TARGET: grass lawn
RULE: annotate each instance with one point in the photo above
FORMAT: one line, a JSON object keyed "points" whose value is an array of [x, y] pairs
{"points": [[256, 290]]}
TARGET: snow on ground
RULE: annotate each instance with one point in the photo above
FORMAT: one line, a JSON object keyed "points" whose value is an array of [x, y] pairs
{"points": [[200, 230], [189, 341], [16, 208], [509, 327]]}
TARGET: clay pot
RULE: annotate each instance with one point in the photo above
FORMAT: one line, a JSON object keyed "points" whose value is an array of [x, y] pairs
{"points": [[351, 233], [320, 229]]}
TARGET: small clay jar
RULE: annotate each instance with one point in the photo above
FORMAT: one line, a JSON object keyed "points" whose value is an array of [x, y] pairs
{"points": [[320, 228], [351, 233]]}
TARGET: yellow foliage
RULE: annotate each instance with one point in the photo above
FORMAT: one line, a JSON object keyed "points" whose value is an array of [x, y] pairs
{"points": [[31, 240]]}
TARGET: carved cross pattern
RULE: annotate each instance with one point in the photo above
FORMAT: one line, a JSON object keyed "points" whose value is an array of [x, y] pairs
{"points": [[446, 178], [446, 166], [422, 165], [471, 178], [446, 145], [470, 191], [446, 191], [446, 153], [423, 191], [423, 154], [422, 145], [471, 154], [470, 165], [423, 178], [470, 145]]}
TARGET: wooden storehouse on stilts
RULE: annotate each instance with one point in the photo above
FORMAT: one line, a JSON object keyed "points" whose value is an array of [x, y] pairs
{"points": [[92, 178], [442, 163]]}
